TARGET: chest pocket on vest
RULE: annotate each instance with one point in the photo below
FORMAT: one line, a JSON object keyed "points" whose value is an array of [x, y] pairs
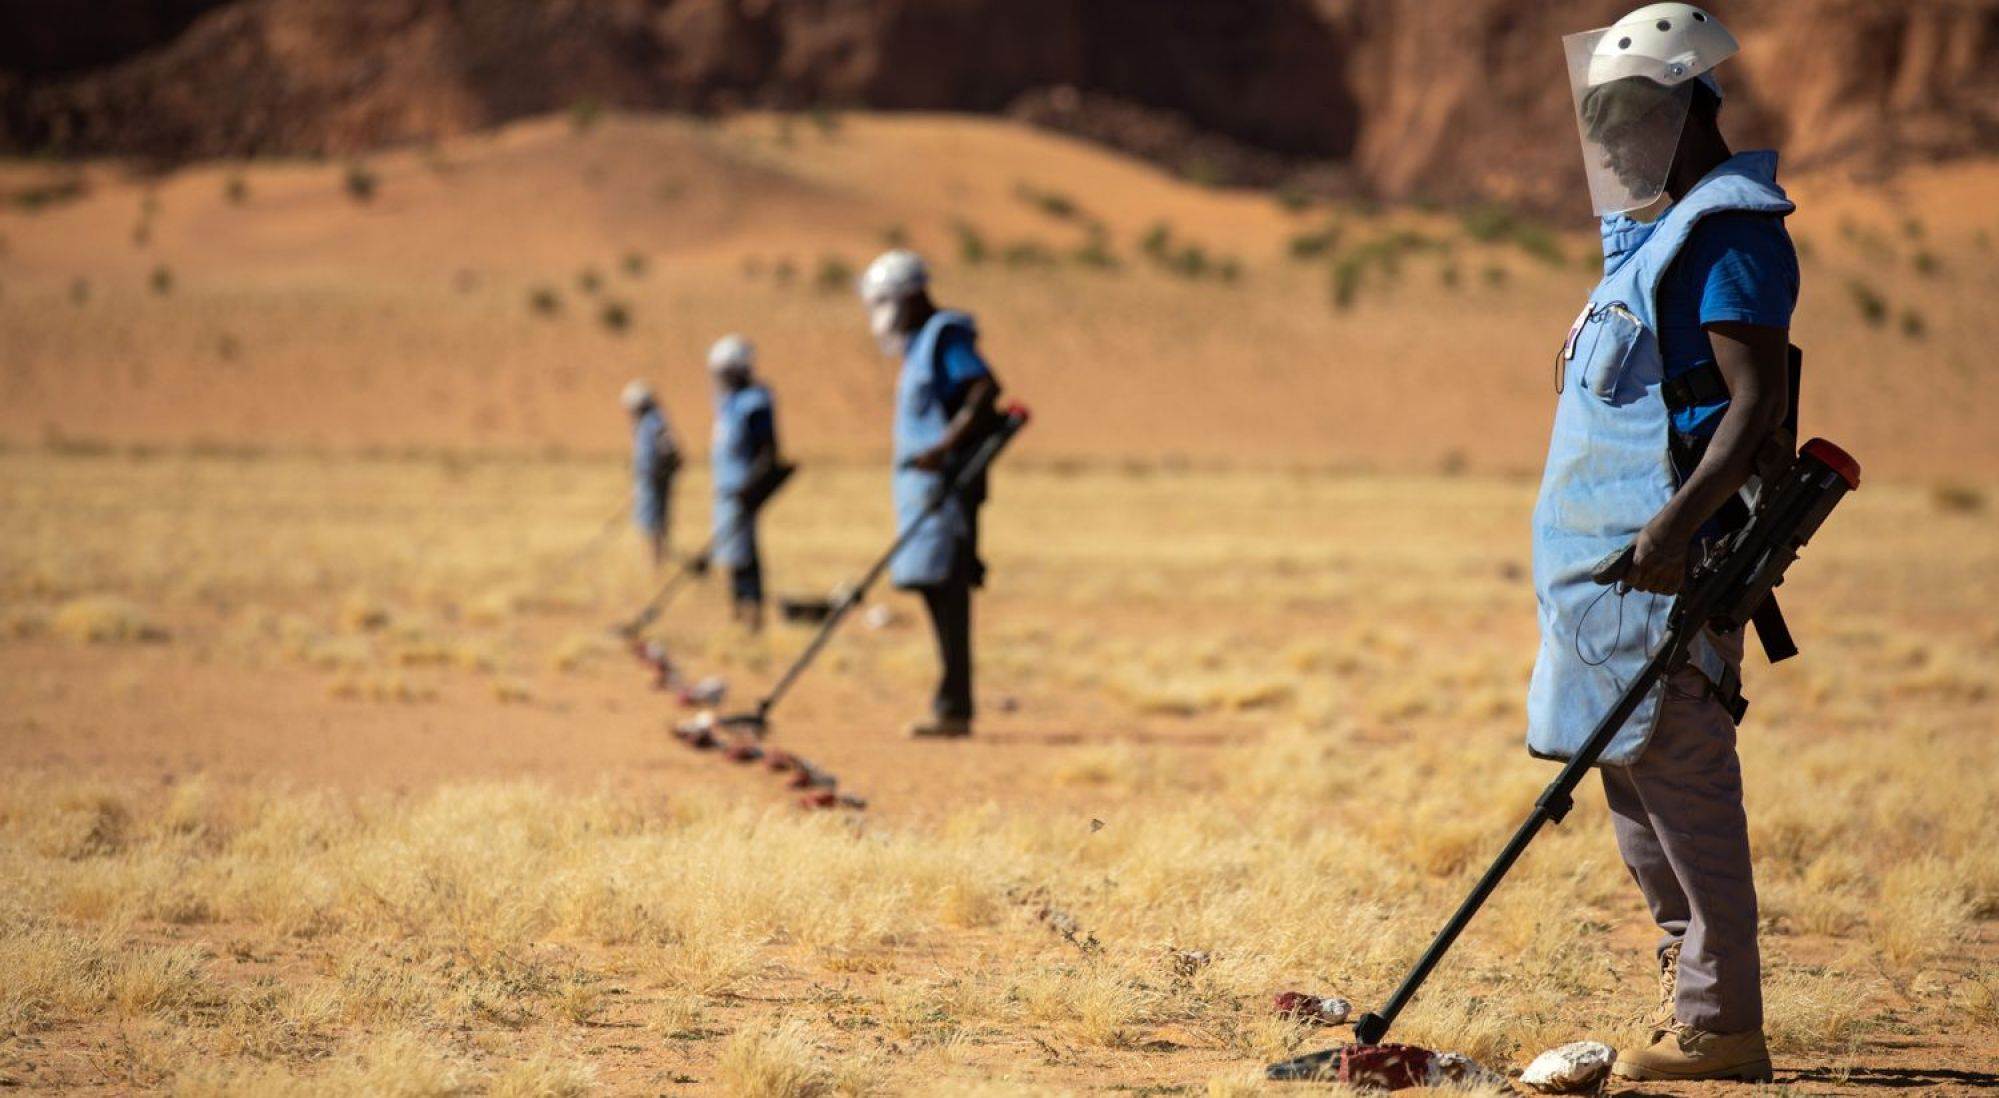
{"points": [[1610, 345]]}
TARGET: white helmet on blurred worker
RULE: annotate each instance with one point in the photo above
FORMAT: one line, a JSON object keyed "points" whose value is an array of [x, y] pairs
{"points": [[732, 354], [890, 284], [894, 275], [1633, 83], [637, 396]]}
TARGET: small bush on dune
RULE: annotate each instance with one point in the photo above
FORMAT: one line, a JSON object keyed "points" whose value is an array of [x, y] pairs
{"points": [[1053, 203], [616, 317], [162, 281], [104, 619], [34, 199], [1957, 498], [835, 275], [544, 301], [1315, 244], [1096, 253], [1488, 224], [1873, 308], [1345, 281], [971, 243], [236, 190], [585, 113], [360, 182], [1027, 253]]}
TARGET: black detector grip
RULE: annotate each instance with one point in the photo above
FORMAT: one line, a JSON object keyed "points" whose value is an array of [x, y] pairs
{"points": [[1614, 566]]}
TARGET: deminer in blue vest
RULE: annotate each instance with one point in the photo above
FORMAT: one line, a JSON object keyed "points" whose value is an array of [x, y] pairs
{"points": [[943, 397], [1672, 391], [743, 454], [655, 460]]}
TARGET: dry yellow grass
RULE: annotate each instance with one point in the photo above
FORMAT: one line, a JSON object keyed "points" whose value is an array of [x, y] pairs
{"points": [[602, 912]]}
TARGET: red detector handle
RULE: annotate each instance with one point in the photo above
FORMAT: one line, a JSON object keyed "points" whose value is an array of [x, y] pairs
{"points": [[1836, 459]]}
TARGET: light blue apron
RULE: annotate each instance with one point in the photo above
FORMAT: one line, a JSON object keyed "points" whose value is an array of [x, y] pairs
{"points": [[921, 421], [732, 455], [1609, 471], [648, 493]]}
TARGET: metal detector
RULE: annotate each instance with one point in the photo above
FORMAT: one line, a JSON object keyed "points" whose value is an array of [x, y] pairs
{"points": [[1011, 419], [1724, 591], [756, 495], [567, 565]]}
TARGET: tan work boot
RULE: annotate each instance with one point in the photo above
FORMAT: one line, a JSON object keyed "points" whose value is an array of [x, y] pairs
{"points": [[1663, 1018], [1685, 1053], [940, 728]]}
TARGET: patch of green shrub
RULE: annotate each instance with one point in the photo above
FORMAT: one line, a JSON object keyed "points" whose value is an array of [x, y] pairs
{"points": [[834, 275], [1873, 308], [1055, 204], [360, 182], [1316, 243], [971, 243]]}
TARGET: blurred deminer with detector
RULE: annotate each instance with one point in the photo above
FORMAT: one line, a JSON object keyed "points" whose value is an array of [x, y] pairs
{"points": [[744, 454], [655, 460], [1674, 390], [943, 401]]}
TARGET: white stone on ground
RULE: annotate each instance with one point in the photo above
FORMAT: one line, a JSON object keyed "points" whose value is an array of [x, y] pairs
{"points": [[1579, 1065]]}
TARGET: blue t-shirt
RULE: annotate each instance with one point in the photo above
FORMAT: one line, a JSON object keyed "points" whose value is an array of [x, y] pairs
{"points": [[1735, 267], [957, 365]]}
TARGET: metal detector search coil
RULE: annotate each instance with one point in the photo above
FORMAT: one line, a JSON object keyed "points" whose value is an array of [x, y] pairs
{"points": [[1725, 591]]}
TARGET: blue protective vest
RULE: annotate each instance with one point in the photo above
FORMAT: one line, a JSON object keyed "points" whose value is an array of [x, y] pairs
{"points": [[1609, 472], [921, 420], [732, 455], [652, 444]]}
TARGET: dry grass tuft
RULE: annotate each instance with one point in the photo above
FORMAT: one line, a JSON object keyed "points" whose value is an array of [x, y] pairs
{"points": [[775, 1061], [104, 619]]}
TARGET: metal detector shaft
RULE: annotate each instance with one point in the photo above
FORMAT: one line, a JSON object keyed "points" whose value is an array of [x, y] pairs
{"points": [[1553, 805], [1014, 419], [1725, 592], [698, 563], [656, 605], [569, 563]]}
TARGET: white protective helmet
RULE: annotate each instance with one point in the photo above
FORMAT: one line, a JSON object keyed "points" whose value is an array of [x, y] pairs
{"points": [[732, 354], [1666, 43], [636, 397], [1633, 84], [894, 276], [887, 288]]}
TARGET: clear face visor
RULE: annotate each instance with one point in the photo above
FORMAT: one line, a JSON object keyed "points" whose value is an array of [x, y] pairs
{"points": [[1630, 112], [885, 324]]}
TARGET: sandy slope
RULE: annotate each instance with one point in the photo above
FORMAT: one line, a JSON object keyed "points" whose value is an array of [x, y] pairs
{"points": [[302, 316]]}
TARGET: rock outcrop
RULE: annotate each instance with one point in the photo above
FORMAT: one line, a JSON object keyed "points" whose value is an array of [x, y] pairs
{"points": [[1402, 98]]}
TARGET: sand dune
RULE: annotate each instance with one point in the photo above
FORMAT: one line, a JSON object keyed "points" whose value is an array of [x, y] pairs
{"points": [[267, 304]]}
